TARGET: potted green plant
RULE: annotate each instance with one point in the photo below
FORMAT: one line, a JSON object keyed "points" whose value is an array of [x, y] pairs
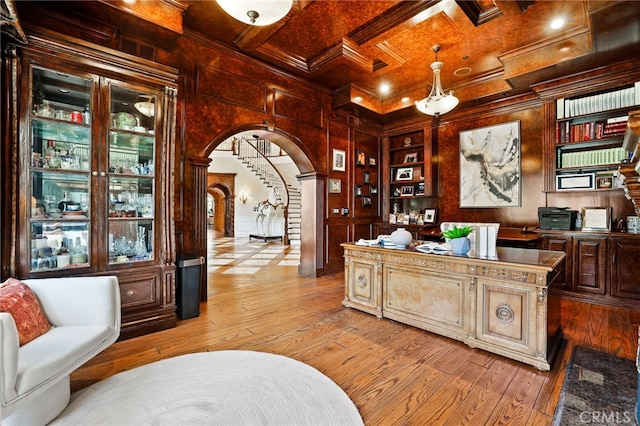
{"points": [[458, 238]]}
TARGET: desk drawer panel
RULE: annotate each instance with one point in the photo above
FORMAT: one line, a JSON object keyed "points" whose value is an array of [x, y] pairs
{"points": [[428, 297]]}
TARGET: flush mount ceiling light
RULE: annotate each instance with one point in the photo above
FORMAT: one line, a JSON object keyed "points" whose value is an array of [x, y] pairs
{"points": [[146, 107], [257, 12], [437, 103]]}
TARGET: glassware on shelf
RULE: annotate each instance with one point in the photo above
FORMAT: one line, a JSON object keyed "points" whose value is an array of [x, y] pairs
{"points": [[46, 110], [50, 203], [51, 156], [141, 246], [84, 202]]}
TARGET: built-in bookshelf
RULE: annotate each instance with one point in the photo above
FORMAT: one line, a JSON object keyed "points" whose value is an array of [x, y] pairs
{"points": [[588, 138], [406, 163], [624, 97]]}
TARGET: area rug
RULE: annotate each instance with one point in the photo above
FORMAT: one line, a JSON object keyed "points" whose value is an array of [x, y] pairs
{"points": [[598, 389], [214, 388]]}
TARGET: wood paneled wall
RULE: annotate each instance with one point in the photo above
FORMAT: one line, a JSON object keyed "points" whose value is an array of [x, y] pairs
{"points": [[223, 93], [531, 131]]}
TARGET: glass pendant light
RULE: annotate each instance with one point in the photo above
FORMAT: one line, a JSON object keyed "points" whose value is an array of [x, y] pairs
{"points": [[257, 12], [438, 102]]}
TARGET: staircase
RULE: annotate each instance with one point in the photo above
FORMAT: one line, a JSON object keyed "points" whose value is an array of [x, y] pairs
{"points": [[295, 218], [254, 154]]}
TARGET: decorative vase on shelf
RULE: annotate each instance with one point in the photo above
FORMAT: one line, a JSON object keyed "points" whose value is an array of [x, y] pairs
{"points": [[460, 245], [401, 238]]}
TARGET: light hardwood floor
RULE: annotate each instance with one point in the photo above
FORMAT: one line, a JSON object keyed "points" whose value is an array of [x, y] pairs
{"points": [[395, 374]]}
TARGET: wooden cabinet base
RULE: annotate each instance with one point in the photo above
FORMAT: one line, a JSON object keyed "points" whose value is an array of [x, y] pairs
{"points": [[148, 300], [508, 306]]}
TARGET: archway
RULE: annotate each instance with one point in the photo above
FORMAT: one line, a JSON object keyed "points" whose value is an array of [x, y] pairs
{"points": [[222, 218], [312, 192]]}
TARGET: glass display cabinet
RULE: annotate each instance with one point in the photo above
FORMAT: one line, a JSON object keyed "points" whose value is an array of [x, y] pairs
{"points": [[64, 162], [92, 178], [131, 192], [59, 212]]}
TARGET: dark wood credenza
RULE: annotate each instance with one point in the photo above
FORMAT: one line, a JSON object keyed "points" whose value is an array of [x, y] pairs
{"points": [[601, 267]]}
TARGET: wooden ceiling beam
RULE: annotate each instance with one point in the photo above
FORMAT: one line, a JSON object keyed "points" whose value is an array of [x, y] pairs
{"points": [[477, 13], [389, 20]]}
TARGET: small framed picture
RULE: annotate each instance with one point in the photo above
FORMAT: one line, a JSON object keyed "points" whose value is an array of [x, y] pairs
{"points": [[596, 218], [339, 160], [396, 192], [604, 182], [360, 157], [335, 186], [406, 191], [430, 216], [393, 218], [366, 177], [366, 200], [372, 161], [373, 190], [404, 173], [411, 157], [577, 181], [420, 188], [358, 190]]}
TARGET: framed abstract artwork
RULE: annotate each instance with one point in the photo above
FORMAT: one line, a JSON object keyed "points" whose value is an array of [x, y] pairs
{"points": [[490, 166]]}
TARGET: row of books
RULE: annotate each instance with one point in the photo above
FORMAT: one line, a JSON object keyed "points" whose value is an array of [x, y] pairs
{"points": [[622, 98], [598, 157], [567, 132]]}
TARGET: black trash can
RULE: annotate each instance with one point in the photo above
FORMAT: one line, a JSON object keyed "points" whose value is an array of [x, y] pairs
{"points": [[188, 274]]}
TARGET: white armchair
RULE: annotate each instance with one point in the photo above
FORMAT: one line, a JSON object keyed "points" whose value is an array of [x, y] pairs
{"points": [[85, 316]]}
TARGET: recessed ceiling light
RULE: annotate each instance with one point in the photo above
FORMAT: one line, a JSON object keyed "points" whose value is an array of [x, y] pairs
{"points": [[557, 23], [63, 91], [462, 71], [358, 99], [385, 88], [405, 100]]}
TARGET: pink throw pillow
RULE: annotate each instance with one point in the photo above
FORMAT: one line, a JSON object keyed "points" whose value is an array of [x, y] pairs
{"points": [[18, 299]]}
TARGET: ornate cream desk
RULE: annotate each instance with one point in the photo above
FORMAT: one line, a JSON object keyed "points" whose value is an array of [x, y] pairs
{"points": [[507, 306]]}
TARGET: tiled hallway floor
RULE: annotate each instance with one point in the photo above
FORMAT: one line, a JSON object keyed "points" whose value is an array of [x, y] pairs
{"points": [[241, 256]]}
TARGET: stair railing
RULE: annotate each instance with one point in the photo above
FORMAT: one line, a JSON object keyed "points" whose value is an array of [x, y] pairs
{"points": [[254, 153]]}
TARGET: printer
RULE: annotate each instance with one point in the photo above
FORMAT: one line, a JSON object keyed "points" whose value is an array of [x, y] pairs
{"points": [[560, 218]]}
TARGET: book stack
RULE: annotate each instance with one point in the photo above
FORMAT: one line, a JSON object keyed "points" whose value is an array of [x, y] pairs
{"points": [[622, 98], [567, 132], [598, 157]]}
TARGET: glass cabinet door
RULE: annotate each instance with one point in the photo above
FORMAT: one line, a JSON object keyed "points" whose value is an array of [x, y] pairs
{"points": [[131, 191], [61, 152]]}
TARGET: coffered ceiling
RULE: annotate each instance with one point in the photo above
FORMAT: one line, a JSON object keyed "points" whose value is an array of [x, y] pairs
{"points": [[490, 48]]}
